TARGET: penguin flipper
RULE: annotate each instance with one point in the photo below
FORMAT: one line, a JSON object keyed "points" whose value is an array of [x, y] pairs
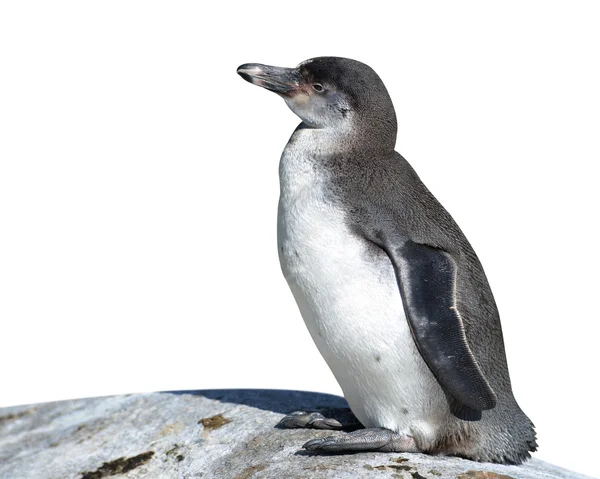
{"points": [[426, 276]]}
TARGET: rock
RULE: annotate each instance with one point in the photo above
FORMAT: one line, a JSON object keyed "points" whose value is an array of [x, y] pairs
{"points": [[209, 434]]}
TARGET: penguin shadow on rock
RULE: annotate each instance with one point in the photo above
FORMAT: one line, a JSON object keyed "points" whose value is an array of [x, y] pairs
{"points": [[389, 287], [282, 401]]}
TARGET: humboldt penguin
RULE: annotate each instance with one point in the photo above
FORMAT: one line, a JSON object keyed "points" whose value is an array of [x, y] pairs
{"points": [[390, 289]]}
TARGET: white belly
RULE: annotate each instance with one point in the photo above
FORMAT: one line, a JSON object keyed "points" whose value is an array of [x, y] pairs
{"points": [[347, 294]]}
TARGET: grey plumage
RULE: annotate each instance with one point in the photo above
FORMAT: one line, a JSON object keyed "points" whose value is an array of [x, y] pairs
{"points": [[393, 187]]}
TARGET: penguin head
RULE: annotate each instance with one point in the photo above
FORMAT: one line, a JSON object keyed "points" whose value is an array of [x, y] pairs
{"points": [[329, 93]]}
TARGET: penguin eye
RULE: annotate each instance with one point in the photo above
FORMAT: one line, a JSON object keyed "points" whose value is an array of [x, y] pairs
{"points": [[318, 87]]}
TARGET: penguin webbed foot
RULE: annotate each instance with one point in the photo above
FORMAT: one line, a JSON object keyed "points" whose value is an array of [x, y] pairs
{"points": [[303, 419], [371, 439]]}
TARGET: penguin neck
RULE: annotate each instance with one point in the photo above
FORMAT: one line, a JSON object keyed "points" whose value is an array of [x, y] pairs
{"points": [[357, 136]]}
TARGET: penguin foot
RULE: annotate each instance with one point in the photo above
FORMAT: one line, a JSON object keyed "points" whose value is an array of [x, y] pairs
{"points": [[304, 419], [372, 439]]}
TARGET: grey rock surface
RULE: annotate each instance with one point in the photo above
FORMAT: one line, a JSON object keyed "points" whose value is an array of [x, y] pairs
{"points": [[226, 434]]}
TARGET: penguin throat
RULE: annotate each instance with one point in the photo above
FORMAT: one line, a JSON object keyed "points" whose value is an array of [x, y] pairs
{"points": [[334, 140]]}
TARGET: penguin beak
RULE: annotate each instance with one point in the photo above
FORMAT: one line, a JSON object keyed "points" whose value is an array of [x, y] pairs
{"points": [[277, 79]]}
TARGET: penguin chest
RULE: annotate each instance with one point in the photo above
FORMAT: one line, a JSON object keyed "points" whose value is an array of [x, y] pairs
{"points": [[346, 291], [348, 296]]}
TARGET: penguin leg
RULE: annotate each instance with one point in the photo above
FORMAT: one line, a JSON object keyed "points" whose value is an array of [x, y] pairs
{"points": [[371, 439], [302, 419]]}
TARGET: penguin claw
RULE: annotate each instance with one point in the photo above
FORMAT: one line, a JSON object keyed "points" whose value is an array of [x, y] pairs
{"points": [[318, 444], [302, 419], [326, 423]]}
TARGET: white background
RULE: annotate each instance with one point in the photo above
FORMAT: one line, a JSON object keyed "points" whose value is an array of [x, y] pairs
{"points": [[138, 190]]}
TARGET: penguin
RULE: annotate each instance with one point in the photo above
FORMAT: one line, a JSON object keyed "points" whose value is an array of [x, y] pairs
{"points": [[389, 287]]}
